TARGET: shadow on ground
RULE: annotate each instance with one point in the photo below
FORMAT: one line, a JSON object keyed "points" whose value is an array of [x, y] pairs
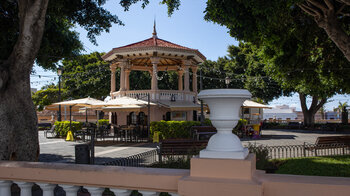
{"points": [[55, 158]]}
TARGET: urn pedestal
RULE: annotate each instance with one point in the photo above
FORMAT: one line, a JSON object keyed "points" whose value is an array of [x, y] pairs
{"points": [[224, 105]]}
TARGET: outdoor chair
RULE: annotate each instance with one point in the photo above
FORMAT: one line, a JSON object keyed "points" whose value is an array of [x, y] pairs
{"points": [[51, 131], [116, 132]]}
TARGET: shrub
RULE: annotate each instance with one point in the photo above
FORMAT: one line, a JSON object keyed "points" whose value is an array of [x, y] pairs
{"points": [[238, 129], [262, 156], [103, 122], [182, 162], [62, 127], [173, 129]]}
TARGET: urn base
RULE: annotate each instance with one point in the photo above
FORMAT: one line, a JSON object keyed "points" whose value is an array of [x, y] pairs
{"points": [[224, 154]]}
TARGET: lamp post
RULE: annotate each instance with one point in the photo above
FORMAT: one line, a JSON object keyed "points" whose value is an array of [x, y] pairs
{"points": [[201, 88], [148, 111], [59, 73], [227, 81]]}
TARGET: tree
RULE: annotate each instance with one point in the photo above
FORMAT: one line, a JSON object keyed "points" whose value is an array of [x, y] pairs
{"points": [[86, 75], [47, 96], [333, 17], [37, 31], [322, 112], [245, 69], [298, 54], [248, 65]]}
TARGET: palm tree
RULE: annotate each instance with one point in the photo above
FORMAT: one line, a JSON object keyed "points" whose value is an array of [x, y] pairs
{"points": [[340, 108]]}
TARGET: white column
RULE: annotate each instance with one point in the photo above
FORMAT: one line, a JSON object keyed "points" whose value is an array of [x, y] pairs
{"points": [[26, 188], [154, 61], [180, 80], [71, 190], [113, 70], [127, 80], [48, 189], [187, 79], [149, 193], [186, 65], [94, 191], [122, 66], [5, 187], [121, 192], [194, 79]]}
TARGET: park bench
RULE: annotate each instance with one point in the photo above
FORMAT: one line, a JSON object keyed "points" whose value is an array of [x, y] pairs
{"points": [[51, 131], [44, 126], [324, 140], [202, 132], [171, 147], [329, 142], [330, 127]]}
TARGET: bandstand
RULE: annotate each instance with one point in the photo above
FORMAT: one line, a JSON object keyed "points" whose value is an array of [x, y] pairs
{"points": [[154, 55]]}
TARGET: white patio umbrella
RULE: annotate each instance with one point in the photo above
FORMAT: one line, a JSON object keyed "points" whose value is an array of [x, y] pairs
{"points": [[124, 102], [85, 102]]}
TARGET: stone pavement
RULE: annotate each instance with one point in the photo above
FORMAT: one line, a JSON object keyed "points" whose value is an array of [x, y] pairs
{"points": [[59, 150]]}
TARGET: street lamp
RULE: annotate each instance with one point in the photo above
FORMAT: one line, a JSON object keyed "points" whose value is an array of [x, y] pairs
{"points": [[227, 81], [148, 111], [201, 88], [59, 73]]}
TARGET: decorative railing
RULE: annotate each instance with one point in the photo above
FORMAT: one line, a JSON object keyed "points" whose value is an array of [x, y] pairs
{"points": [[158, 95], [93, 178], [307, 150], [138, 160]]}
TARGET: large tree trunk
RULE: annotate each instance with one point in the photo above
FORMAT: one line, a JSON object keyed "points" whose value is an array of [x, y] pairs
{"points": [[18, 120], [309, 113], [325, 14], [336, 34]]}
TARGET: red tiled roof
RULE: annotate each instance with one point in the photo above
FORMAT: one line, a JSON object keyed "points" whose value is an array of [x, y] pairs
{"points": [[154, 42]]}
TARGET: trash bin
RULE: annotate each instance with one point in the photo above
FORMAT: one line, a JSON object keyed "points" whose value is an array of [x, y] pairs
{"points": [[82, 154]]}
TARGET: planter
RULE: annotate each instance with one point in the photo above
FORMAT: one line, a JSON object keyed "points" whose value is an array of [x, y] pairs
{"points": [[224, 105]]}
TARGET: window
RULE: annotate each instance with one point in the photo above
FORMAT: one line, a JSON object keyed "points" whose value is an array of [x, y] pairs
{"points": [[178, 116], [132, 118]]}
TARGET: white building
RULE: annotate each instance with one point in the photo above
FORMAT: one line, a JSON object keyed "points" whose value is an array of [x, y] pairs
{"points": [[283, 112]]}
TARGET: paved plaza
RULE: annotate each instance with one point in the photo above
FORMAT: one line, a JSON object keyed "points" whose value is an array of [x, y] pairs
{"points": [[59, 150]]}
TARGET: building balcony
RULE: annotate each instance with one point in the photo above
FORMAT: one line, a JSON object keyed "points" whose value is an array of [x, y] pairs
{"points": [[158, 95]]}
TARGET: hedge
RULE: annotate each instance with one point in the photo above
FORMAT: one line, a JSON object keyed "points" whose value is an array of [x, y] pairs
{"points": [[62, 127], [174, 129], [182, 129], [103, 122]]}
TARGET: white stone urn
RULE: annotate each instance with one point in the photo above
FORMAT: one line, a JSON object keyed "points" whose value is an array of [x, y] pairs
{"points": [[224, 105]]}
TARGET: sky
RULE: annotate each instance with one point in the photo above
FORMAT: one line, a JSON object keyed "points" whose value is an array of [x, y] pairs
{"points": [[185, 27]]}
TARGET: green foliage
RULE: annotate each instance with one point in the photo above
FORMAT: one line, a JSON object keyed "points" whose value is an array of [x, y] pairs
{"points": [[46, 96], [62, 127], [181, 162], [103, 122], [173, 129], [316, 166], [246, 69], [298, 54], [237, 129], [59, 40], [262, 156], [87, 75]]}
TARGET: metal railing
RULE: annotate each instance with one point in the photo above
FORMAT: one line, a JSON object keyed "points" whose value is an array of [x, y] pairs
{"points": [[138, 160], [274, 152], [306, 150]]}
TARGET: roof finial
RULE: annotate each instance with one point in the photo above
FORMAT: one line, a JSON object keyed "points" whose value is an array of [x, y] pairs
{"points": [[154, 29]]}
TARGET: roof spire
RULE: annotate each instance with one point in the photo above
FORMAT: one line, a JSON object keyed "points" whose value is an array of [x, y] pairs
{"points": [[154, 29]]}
